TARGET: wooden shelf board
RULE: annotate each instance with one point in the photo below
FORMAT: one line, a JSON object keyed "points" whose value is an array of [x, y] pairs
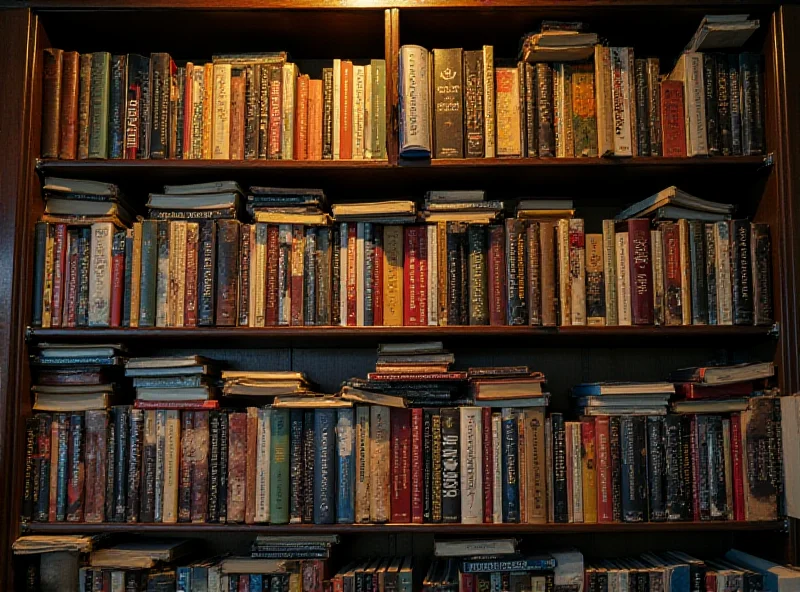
{"points": [[147, 165], [455, 529]]}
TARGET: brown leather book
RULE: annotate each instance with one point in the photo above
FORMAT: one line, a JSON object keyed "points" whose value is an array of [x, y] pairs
{"points": [[237, 466], [315, 120], [68, 145], [251, 466], [301, 119], [237, 115], [84, 103], [51, 102]]}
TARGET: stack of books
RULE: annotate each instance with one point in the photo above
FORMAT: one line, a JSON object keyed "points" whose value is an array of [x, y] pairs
{"points": [[251, 383], [622, 398], [279, 205], [673, 203], [545, 209], [558, 42], [237, 106], [507, 386], [461, 206], [293, 547], [719, 389], [74, 201], [75, 377], [183, 382], [399, 573], [139, 565], [402, 211], [196, 201]]}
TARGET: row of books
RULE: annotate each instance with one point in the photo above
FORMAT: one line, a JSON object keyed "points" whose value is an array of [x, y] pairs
{"points": [[378, 464], [542, 272], [238, 106]]}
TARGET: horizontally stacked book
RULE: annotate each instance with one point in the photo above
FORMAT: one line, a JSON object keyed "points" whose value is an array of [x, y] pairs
{"points": [[671, 259], [416, 441], [570, 97], [238, 106]]}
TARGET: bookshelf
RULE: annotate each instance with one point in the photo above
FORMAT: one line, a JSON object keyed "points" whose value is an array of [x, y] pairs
{"points": [[763, 188]]}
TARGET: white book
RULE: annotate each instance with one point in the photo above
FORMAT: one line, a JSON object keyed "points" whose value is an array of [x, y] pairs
{"points": [[471, 465], [433, 274], [288, 108], [102, 238], [415, 101], [221, 113], [577, 270], [196, 113], [215, 579], [172, 458], [564, 298], [258, 267], [621, 97], [624, 312], [117, 581], [343, 273], [337, 84], [284, 273], [359, 105], [686, 272], [657, 257], [488, 101], [380, 486], [497, 469], [610, 272], [360, 274], [603, 102], [722, 245], [577, 474], [262, 464], [369, 113], [689, 70], [161, 437], [363, 472]]}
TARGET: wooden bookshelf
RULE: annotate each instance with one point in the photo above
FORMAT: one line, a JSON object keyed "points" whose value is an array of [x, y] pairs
{"points": [[764, 187]]}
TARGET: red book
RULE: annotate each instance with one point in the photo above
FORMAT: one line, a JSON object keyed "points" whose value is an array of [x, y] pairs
{"points": [[190, 299], [346, 111], [641, 271], [244, 584], [711, 581], [417, 479], [352, 277], [271, 317], [410, 276], [313, 574], [605, 506], [275, 111], [59, 263], [377, 277], [301, 119], [96, 426], [237, 465], [198, 405], [200, 467], [692, 391], [693, 443], [71, 304], [117, 279], [467, 583], [737, 467], [251, 465], [400, 425], [298, 270], [672, 274], [422, 275], [673, 119], [497, 276], [488, 455]]}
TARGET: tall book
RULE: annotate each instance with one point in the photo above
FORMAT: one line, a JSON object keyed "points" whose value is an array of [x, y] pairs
{"points": [[400, 453], [604, 100], [289, 108], [448, 100], [595, 281], [507, 112], [584, 110], [51, 101], [451, 465], [380, 488], [474, 141], [489, 102], [415, 102], [641, 271], [621, 95], [471, 486], [161, 66], [689, 71], [98, 118]]}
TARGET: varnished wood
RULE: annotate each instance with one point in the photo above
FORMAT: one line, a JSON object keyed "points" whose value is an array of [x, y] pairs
{"points": [[451, 529]]}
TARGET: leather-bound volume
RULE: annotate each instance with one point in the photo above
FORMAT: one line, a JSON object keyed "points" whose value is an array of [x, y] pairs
{"points": [[376, 279], [752, 103], [275, 111], [237, 466], [76, 469], [654, 106], [213, 465], [533, 246], [473, 104], [584, 110], [673, 125], [262, 90], [417, 464], [68, 142], [673, 314], [411, 276], [301, 118], [206, 271], [528, 84], [760, 442], [451, 465], [699, 279], [327, 113], [147, 487], [641, 270], [117, 107], [271, 316], [117, 277], [135, 445], [137, 105], [51, 102], [422, 274], [185, 470], [496, 274], [96, 430], [723, 104], [400, 434], [60, 248], [245, 235], [84, 104], [712, 103], [448, 100], [457, 311], [297, 463], [642, 106], [761, 262], [160, 74], [237, 116], [346, 111], [251, 466], [509, 118], [297, 287], [200, 448], [544, 109], [227, 272], [549, 312], [741, 273], [517, 272], [478, 275], [98, 115]]}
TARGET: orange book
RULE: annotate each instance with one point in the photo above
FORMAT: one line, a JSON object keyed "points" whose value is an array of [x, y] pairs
{"points": [[315, 120], [301, 119], [237, 116], [589, 466], [208, 103], [346, 112]]}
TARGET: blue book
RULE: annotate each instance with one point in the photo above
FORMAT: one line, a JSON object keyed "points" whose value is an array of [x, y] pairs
{"points": [[531, 563], [369, 265], [346, 466], [183, 577], [510, 444], [256, 582], [324, 469], [199, 578], [633, 444], [279, 467]]}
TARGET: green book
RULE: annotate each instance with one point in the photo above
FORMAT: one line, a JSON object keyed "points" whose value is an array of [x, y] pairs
{"points": [[378, 108], [98, 114], [279, 467], [147, 297]]}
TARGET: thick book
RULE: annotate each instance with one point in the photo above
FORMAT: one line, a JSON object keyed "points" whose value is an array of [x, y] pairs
{"points": [[161, 72], [448, 99], [380, 461], [478, 276], [516, 272], [689, 71], [51, 101], [673, 128], [761, 264], [641, 270], [474, 141], [415, 79], [584, 111], [451, 471], [633, 446], [471, 458], [68, 140], [325, 464], [227, 280], [98, 118], [544, 109], [400, 434], [508, 117], [699, 280], [741, 272]]}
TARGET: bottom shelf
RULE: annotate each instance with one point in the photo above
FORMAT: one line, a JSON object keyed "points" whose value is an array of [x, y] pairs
{"points": [[395, 528]]}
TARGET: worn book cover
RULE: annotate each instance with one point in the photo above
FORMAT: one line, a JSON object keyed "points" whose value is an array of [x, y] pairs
{"points": [[448, 103]]}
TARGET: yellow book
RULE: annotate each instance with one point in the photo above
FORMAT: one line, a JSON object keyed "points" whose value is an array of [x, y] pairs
{"points": [[172, 449], [47, 299], [208, 105], [589, 466], [221, 116], [393, 276]]}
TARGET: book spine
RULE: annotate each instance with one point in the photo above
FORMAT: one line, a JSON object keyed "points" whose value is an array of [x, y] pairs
{"points": [[417, 462], [699, 292], [336, 276], [121, 463], [604, 503], [642, 108], [366, 294], [310, 275], [510, 495], [315, 120], [583, 110], [487, 476], [84, 105], [711, 273], [378, 110], [508, 118], [473, 104], [380, 462], [346, 110], [544, 109], [180, 103], [163, 230], [60, 248], [673, 127], [346, 467], [711, 103], [657, 258], [478, 309], [159, 85], [595, 281], [758, 443], [359, 109], [411, 276], [400, 434], [633, 446], [718, 509], [621, 95], [75, 469], [641, 271], [471, 460], [674, 508], [323, 267], [436, 466], [533, 247], [422, 275], [237, 115], [560, 498], [109, 498], [51, 101], [496, 276], [117, 278], [363, 476], [695, 103], [100, 280], [279, 466], [31, 428], [327, 113], [227, 272], [656, 469], [563, 273], [98, 118], [351, 277], [44, 445], [237, 466], [329, 504], [427, 468], [624, 296], [393, 272], [673, 314], [84, 258], [516, 269], [39, 270], [729, 67], [70, 312], [171, 477], [309, 447], [700, 467], [737, 467], [588, 452], [68, 115], [301, 118], [451, 461], [577, 272], [221, 112], [747, 88], [741, 272], [275, 81], [214, 429], [206, 268], [376, 277], [531, 123], [654, 107], [761, 262], [251, 465]]}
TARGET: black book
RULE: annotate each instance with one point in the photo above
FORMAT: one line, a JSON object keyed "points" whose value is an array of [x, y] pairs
{"points": [[296, 466], [40, 252], [560, 499], [117, 107], [741, 273], [528, 83], [137, 120], [456, 278], [676, 453], [697, 241], [642, 108], [711, 273], [451, 468], [84, 247], [473, 104], [734, 97], [712, 105], [136, 441], [448, 101], [160, 80], [310, 274], [206, 271], [478, 274], [702, 505], [717, 491], [723, 104], [761, 261], [517, 272], [262, 99], [336, 270], [122, 430], [751, 104], [544, 109], [427, 468], [327, 113], [656, 468], [309, 446], [633, 446]]}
